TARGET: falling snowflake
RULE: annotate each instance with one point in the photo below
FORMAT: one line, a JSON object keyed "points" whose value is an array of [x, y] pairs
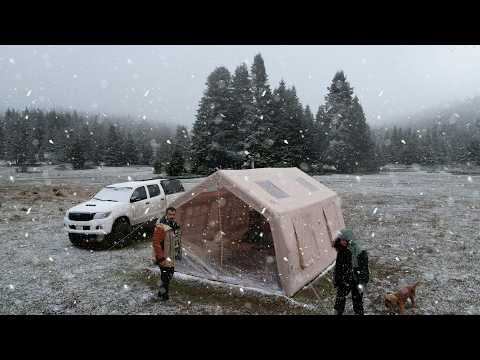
{"points": [[146, 93], [285, 141], [146, 211], [403, 142], [169, 142], [397, 258], [373, 234], [380, 93], [50, 259], [241, 290], [12, 179], [144, 117], [246, 152], [11, 287], [125, 286], [375, 211], [29, 92], [189, 302], [11, 60], [264, 92], [358, 178], [129, 178], [50, 141], [470, 179], [263, 211], [26, 235], [285, 259], [246, 178]]}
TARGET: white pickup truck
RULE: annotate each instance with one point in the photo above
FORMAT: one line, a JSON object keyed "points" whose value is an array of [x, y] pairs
{"points": [[111, 214]]}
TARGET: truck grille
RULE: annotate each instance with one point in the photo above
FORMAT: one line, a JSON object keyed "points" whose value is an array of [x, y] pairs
{"points": [[81, 216]]}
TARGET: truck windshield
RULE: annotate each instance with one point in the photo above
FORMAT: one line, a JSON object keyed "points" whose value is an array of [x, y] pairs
{"points": [[117, 194]]}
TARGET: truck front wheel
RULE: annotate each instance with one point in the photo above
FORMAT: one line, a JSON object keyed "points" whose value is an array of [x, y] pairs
{"points": [[119, 236]]}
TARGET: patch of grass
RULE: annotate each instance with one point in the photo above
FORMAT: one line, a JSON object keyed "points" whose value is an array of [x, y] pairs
{"points": [[230, 300], [322, 290]]}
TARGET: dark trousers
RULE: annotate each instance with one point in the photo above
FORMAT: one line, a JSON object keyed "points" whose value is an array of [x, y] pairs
{"points": [[166, 274], [357, 299]]}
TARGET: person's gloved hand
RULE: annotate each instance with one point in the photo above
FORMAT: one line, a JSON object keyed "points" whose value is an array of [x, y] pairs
{"points": [[361, 288]]}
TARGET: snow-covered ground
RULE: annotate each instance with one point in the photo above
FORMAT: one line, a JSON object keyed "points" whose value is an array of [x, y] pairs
{"points": [[416, 225]]}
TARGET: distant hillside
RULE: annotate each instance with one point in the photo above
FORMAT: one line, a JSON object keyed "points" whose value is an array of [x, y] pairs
{"points": [[447, 134], [463, 113]]}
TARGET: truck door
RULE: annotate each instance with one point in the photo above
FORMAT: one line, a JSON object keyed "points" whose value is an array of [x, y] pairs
{"points": [[140, 202], [157, 200], [172, 188]]}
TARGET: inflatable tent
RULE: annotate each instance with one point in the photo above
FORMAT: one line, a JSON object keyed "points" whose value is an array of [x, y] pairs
{"points": [[296, 220]]}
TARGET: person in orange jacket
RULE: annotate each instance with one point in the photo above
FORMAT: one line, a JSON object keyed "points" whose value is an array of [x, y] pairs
{"points": [[164, 251]]}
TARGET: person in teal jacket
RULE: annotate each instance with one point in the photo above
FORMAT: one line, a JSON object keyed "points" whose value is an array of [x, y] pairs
{"points": [[351, 272]]}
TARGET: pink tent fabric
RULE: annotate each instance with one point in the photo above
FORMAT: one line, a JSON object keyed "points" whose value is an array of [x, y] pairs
{"points": [[302, 218]]}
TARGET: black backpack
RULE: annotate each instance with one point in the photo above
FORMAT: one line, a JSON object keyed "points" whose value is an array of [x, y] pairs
{"points": [[362, 272]]}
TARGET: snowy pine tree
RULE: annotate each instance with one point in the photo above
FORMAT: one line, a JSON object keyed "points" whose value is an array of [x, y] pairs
{"points": [[209, 136], [260, 141], [340, 113], [130, 150], [114, 154], [243, 113], [308, 136]]}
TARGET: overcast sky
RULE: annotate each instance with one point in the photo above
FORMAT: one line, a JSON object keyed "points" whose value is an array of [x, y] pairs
{"points": [[167, 82]]}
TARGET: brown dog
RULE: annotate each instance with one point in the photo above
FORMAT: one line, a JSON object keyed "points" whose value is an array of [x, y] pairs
{"points": [[400, 297]]}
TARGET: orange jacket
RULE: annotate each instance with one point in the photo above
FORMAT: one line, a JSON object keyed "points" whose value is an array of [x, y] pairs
{"points": [[163, 245], [158, 239]]}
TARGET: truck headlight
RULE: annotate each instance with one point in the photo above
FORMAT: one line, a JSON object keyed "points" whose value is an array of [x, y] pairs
{"points": [[102, 215]]}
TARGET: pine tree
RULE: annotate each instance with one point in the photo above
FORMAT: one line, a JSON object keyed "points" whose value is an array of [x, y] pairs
{"points": [[183, 144], [130, 150], [209, 137], [113, 150], [362, 139], [11, 128], [165, 151], [2, 138], [19, 147], [146, 152], [322, 137], [243, 113], [474, 152], [339, 108], [289, 117], [308, 137], [38, 133], [260, 140], [176, 164], [76, 153], [280, 133]]}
